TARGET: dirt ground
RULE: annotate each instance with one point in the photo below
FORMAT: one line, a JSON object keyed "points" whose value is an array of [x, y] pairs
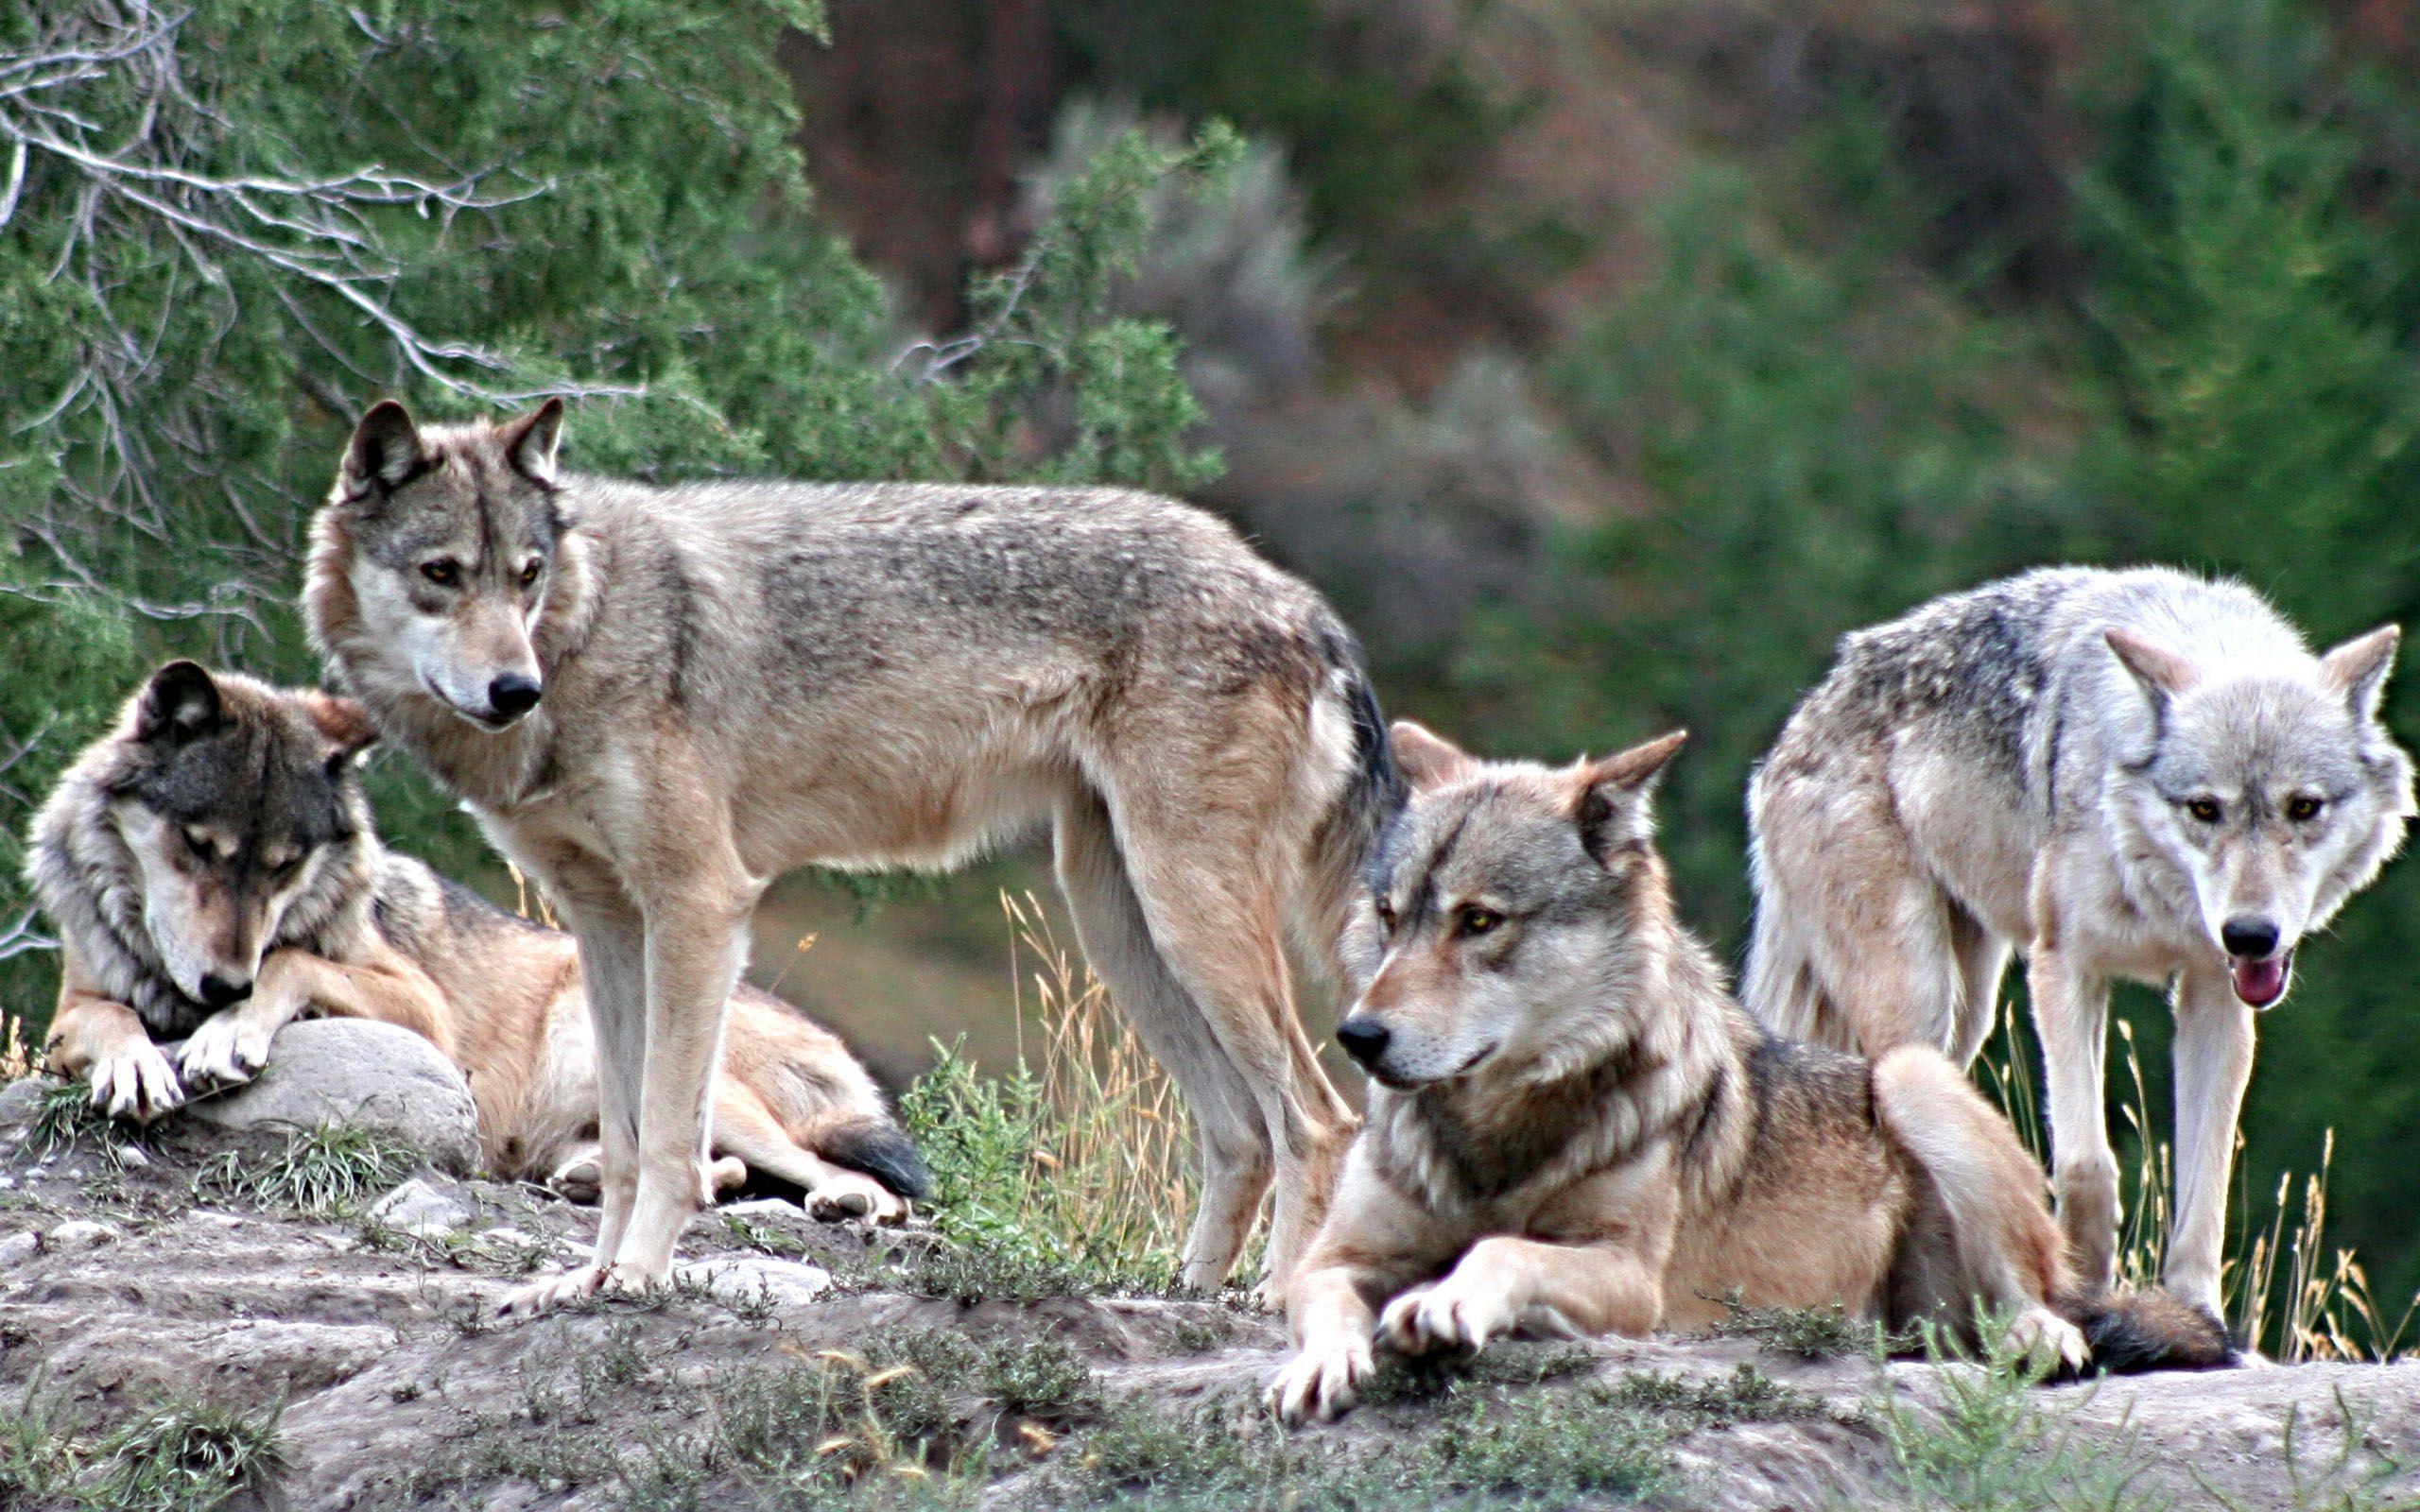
{"points": [[121, 1289]]}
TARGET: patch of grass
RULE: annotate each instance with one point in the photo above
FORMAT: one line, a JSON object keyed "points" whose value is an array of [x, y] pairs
{"points": [[1992, 1446], [1427, 1377], [38, 1445], [1072, 1173], [1481, 1446], [186, 1456], [1747, 1395], [512, 1255], [64, 1118], [1808, 1333], [330, 1170]]}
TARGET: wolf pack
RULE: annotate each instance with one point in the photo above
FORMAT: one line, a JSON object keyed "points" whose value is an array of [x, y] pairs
{"points": [[657, 701]]}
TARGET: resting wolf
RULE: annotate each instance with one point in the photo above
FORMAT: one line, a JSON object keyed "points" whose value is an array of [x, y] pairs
{"points": [[657, 699], [1573, 1128], [212, 872], [2128, 774]]}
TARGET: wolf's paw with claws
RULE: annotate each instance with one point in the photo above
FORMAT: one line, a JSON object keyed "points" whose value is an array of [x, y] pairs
{"points": [[1321, 1386], [228, 1050], [851, 1194], [1444, 1318], [577, 1285], [139, 1085], [2045, 1341]]}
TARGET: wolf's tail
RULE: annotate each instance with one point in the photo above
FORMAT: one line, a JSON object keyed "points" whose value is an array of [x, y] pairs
{"points": [[880, 1148], [1357, 816], [2132, 1331]]}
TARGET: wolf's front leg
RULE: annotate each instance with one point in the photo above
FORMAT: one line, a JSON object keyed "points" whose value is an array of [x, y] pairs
{"points": [[2213, 1066], [232, 1044], [2071, 1021], [104, 1044], [696, 944], [1332, 1322], [1508, 1284], [613, 966]]}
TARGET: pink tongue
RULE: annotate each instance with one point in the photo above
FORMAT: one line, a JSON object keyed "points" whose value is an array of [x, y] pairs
{"points": [[2260, 983]]}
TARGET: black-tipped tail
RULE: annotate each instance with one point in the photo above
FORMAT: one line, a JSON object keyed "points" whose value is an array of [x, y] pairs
{"points": [[882, 1150], [2151, 1331]]}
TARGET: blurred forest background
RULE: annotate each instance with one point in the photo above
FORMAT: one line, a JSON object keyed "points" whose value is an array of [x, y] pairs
{"points": [[1604, 359]]}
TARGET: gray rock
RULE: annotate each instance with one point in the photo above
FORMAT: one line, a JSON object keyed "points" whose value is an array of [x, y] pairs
{"points": [[353, 1070], [18, 1249], [749, 1282], [78, 1233], [421, 1209], [20, 1101]]}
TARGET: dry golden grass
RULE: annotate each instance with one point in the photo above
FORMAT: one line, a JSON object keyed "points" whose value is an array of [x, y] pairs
{"points": [[17, 1053], [1116, 1159]]}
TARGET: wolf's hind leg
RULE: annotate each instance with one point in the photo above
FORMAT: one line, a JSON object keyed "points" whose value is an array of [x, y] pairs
{"points": [[2009, 1256], [1856, 944], [1117, 944], [751, 1135]]}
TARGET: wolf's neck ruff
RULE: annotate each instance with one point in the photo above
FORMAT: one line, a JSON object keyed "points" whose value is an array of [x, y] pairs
{"points": [[1666, 1069]]}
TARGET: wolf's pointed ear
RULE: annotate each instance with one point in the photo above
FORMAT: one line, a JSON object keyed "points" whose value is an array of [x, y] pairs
{"points": [[2162, 674], [2357, 669], [180, 703], [344, 724], [1425, 758], [531, 441], [1610, 801], [386, 451]]}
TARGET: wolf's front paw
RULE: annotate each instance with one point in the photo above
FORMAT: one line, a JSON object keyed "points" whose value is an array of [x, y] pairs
{"points": [[1321, 1384], [228, 1050], [1443, 1316], [574, 1285], [854, 1194], [2045, 1341], [138, 1085]]}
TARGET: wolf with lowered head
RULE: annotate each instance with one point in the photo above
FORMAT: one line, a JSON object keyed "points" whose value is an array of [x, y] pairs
{"points": [[656, 701], [214, 874], [1573, 1128], [2136, 774]]}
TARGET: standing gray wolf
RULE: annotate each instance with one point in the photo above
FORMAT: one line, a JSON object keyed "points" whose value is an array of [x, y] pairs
{"points": [[212, 870], [2128, 774], [1574, 1128], [657, 699]]}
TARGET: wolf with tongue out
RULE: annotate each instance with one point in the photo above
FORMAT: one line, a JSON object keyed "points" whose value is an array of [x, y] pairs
{"points": [[2136, 774]]}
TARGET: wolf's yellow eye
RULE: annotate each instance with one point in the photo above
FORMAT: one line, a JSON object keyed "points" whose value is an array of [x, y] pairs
{"points": [[1474, 920], [443, 571], [529, 573], [2302, 810], [2204, 809], [200, 845], [1386, 917]]}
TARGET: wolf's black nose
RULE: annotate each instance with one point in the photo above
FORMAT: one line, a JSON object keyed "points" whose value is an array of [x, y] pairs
{"points": [[1364, 1040], [2250, 940], [218, 991], [512, 694]]}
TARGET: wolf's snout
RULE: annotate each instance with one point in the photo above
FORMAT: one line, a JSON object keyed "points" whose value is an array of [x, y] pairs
{"points": [[2249, 938], [513, 695], [1364, 1040], [223, 991]]}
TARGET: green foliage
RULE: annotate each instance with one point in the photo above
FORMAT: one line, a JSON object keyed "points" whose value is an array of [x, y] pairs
{"points": [[1990, 1446], [239, 223], [1825, 444], [988, 1142], [186, 1456]]}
